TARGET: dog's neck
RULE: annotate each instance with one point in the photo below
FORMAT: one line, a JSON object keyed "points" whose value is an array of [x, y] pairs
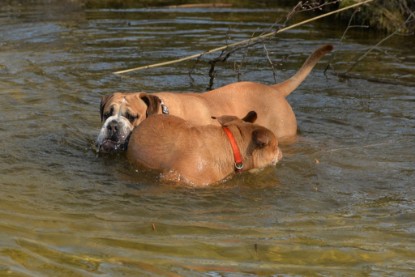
{"points": [[239, 162]]}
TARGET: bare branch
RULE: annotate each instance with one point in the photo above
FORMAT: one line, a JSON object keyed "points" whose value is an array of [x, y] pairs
{"points": [[397, 31], [271, 64], [246, 42]]}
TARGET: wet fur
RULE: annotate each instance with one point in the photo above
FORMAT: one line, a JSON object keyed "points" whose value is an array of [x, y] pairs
{"points": [[199, 155], [269, 101]]}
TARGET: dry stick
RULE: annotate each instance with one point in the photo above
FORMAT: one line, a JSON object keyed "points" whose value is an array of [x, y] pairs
{"points": [[412, 15], [270, 63], [244, 41], [370, 50]]}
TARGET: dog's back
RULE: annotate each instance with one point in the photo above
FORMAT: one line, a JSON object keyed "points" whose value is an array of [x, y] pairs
{"points": [[199, 155], [159, 140]]}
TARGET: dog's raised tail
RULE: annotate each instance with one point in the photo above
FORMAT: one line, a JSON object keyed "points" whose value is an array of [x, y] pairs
{"points": [[289, 85]]}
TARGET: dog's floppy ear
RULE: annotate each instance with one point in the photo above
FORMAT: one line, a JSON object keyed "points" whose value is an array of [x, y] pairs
{"points": [[261, 137], [225, 119], [250, 117], [104, 100], [153, 103]]}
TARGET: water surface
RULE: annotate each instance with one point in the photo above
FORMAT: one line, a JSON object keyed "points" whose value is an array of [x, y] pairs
{"points": [[341, 202]]}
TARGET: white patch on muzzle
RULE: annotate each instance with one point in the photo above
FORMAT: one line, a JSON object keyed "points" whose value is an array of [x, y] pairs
{"points": [[124, 128]]}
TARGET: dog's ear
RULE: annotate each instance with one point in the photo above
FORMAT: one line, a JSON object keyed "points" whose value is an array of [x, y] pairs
{"points": [[225, 119], [250, 117], [261, 137], [104, 100], [153, 103]]}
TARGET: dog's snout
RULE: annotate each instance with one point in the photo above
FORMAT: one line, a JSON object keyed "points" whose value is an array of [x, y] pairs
{"points": [[113, 128], [113, 125]]}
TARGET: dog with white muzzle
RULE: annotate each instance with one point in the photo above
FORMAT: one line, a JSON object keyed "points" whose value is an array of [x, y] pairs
{"points": [[121, 112]]}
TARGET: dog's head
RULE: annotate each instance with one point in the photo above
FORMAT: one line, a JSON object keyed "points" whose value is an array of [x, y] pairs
{"points": [[259, 145], [120, 113]]}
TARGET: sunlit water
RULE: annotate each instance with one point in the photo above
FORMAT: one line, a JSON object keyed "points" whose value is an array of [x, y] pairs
{"points": [[341, 202]]}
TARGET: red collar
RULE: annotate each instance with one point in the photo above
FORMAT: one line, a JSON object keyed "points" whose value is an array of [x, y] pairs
{"points": [[239, 161]]}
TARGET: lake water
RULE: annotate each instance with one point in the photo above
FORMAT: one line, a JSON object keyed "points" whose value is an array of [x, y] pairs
{"points": [[340, 203]]}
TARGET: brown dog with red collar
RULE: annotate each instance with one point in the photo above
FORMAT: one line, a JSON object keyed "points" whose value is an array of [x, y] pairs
{"points": [[202, 155], [121, 112]]}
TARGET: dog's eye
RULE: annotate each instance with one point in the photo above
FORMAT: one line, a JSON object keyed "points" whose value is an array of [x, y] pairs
{"points": [[131, 117], [108, 114]]}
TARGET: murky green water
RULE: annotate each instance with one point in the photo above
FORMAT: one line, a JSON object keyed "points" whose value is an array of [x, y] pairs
{"points": [[341, 203]]}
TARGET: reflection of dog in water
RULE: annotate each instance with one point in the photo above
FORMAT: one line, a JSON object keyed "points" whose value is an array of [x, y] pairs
{"points": [[121, 112], [201, 155]]}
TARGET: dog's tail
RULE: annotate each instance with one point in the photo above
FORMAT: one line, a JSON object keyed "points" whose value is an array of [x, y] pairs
{"points": [[286, 87]]}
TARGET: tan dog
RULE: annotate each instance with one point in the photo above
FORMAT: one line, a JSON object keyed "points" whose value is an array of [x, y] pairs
{"points": [[123, 111], [202, 155]]}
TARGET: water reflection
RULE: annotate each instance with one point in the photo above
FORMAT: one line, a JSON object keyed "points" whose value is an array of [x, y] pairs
{"points": [[341, 201]]}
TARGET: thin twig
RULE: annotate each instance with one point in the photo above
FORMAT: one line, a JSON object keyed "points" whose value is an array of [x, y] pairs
{"points": [[370, 50], [397, 31], [247, 41], [379, 80], [271, 64], [350, 26]]}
